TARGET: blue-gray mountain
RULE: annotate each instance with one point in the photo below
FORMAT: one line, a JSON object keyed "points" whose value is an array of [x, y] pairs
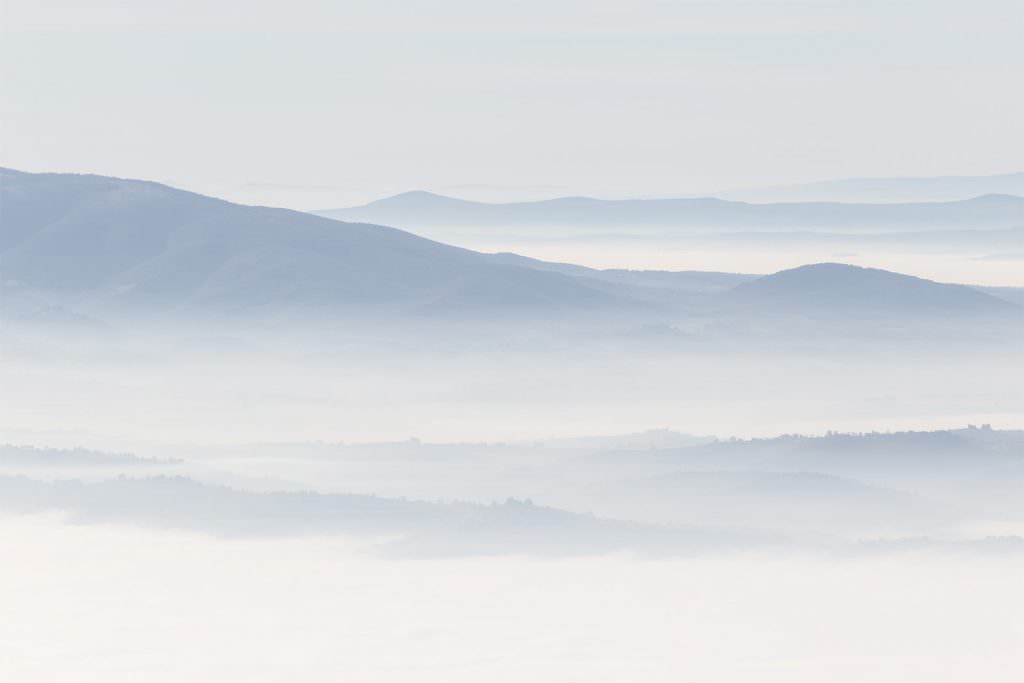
{"points": [[96, 246], [106, 243], [843, 289]]}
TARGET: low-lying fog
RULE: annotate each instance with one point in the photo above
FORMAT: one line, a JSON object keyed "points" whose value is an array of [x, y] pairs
{"points": [[113, 603], [242, 443], [234, 537], [127, 391]]}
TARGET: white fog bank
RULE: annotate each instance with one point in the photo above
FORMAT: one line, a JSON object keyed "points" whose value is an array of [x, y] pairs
{"points": [[114, 604]]}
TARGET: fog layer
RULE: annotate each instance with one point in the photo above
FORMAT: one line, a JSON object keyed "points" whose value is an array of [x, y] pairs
{"points": [[111, 604]]}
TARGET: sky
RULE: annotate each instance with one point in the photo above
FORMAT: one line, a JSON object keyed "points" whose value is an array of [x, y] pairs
{"points": [[347, 101]]}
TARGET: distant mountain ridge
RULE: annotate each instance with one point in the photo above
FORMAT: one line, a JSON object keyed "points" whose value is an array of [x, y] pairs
{"points": [[885, 190], [411, 210]]}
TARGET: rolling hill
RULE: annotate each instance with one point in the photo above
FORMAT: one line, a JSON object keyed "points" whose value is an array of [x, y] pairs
{"points": [[844, 290]]}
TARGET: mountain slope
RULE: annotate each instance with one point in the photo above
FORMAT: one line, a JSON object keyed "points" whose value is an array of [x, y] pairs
{"points": [[107, 243], [423, 209], [684, 280]]}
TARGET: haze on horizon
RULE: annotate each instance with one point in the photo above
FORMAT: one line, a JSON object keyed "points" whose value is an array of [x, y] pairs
{"points": [[318, 105]]}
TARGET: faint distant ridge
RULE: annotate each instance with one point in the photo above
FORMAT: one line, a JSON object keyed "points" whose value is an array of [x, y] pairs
{"points": [[31, 456], [885, 190], [412, 210], [838, 288]]}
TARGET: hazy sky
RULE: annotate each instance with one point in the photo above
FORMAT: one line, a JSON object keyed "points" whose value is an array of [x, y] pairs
{"points": [[597, 97]]}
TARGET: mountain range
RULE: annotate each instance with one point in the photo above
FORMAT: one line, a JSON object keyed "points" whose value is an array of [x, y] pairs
{"points": [[95, 245]]}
